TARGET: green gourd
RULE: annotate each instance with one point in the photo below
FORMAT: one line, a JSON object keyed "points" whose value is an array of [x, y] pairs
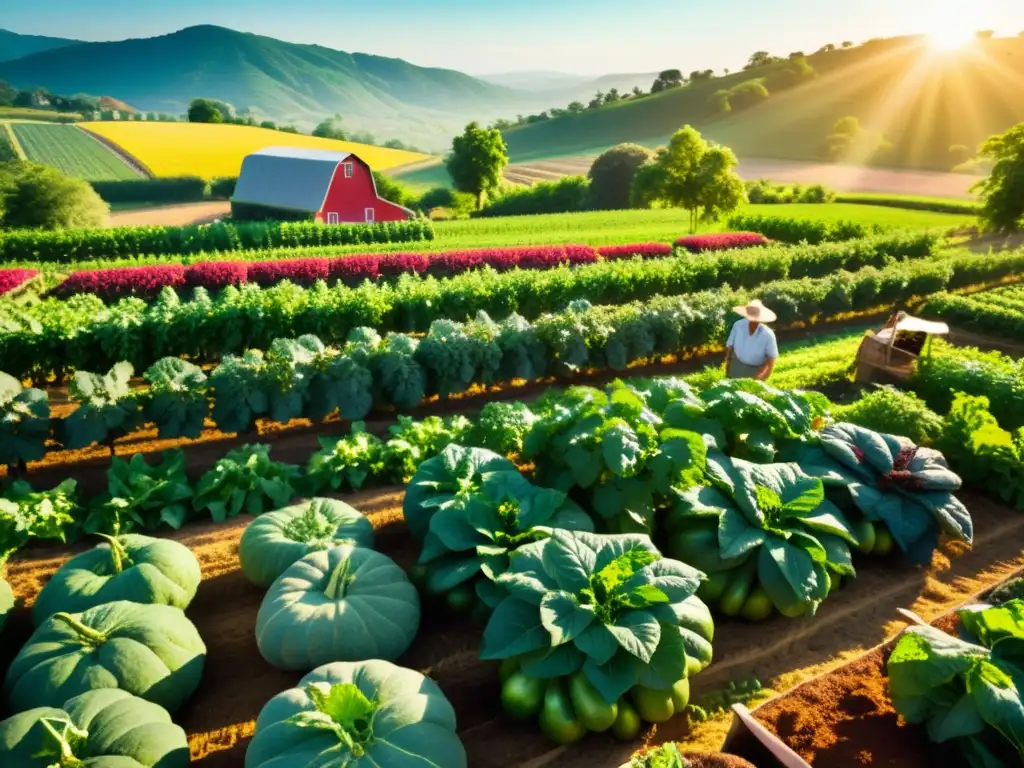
{"points": [[105, 728], [274, 541], [369, 714], [343, 604], [150, 651], [139, 569]]}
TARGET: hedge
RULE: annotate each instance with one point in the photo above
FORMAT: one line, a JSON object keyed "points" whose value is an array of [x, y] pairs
{"points": [[177, 189], [913, 204], [70, 245], [788, 230]]}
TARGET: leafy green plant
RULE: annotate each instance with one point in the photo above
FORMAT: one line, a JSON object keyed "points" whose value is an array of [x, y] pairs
{"points": [[24, 423], [767, 535], [966, 690], [891, 410], [245, 480], [986, 455], [663, 756], [345, 462], [454, 356], [502, 426], [610, 607], [398, 374], [239, 388], [410, 443], [141, 496], [26, 514], [468, 545], [748, 418], [176, 401], [107, 408], [888, 479], [616, 450]]}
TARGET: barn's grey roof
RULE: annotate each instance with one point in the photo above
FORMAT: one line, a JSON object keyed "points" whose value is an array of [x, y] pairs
{"points": [[287, 177]]}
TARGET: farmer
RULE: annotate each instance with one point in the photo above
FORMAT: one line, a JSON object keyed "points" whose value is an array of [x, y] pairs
{"points": [[751, 351]]}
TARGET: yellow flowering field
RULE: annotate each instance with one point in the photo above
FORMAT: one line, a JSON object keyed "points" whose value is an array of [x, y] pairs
{"points": [[209, 150]]}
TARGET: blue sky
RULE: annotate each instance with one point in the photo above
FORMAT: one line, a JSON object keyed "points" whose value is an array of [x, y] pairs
{"points": [[486, 36]]}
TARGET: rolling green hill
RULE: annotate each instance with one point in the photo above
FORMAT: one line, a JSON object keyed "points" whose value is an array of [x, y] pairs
{"points": [[924, 103], [14, 46], [285, 81]]}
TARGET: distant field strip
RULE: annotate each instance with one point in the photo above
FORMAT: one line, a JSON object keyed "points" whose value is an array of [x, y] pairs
{"points": [[209, 151], [71, 151]]}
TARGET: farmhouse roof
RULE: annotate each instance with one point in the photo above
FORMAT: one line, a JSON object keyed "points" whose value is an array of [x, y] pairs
{"points": [[287, 177]]}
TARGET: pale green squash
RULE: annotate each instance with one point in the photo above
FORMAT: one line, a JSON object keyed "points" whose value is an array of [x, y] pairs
{"points": [[150, 651], [140, 569], [343, 604], [371, 714], [274, 541], [106, 728]]}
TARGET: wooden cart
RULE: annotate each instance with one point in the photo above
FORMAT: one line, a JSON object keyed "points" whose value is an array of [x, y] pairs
{"points": [[891, 353]]}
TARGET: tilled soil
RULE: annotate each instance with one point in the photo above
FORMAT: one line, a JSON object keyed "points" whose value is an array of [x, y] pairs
{"points": [[237, 681]]}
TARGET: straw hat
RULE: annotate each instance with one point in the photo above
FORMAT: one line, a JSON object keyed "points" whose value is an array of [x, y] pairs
{"points": [[756, 312]]}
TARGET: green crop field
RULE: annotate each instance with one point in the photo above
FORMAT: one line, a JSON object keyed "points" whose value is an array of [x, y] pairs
{"points": [[71, 151]]}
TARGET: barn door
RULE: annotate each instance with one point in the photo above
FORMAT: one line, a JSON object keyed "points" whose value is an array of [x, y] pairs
{"points": [[369, 215], [332, 218]]}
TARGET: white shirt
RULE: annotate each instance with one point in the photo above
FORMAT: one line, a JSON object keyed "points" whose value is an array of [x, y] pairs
{"points": [[754, 349]]}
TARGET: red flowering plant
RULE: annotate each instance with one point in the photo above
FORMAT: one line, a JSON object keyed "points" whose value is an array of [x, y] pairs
{"points": [[722, 241]]}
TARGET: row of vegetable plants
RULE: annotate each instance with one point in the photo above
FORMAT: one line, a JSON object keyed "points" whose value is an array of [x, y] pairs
{"points": [[999, 312], [70, 245], [305, 378], [352, 269], [791, 230], [597, 632], [12, 279], [146, 282], [55, 337]]}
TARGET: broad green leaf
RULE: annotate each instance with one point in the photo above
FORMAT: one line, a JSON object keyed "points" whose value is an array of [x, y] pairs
{"points": [[638, 632], [962, 719], [563, 617], [445, 576], [675, 580], [513, 629], [668, 664], [570, 560], [616, 677], [598, 643], [736, 535], [558, 662]]}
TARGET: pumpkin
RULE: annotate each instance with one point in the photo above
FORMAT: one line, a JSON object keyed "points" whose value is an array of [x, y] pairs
{"points": [[275, 540], [130, 567], [369, 714], [150, 651], [106, 728], [6, 601], [344, 604]]}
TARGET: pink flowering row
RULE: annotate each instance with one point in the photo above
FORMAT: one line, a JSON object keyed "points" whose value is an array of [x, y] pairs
{"points": [[721, 241], [147, 282], [15, 278]]}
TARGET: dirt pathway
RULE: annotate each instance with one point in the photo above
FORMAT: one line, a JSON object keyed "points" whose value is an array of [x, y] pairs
{"points": [[237, 681], [171, 215]]}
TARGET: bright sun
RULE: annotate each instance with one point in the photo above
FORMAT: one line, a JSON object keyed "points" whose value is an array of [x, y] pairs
{"points": [[950, 37]]}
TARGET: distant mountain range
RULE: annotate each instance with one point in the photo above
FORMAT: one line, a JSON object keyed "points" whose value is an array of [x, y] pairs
{"points": [[14, 46], [288, 82]]}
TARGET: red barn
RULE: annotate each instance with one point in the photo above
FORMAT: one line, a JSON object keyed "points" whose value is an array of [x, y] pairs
{"points": [[335, 187]]}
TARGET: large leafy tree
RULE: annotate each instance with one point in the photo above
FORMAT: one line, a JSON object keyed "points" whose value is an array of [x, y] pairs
{"points": [[670, 78], [203, 111], [477, 160], [612, 174], [1003, 191], [331, 128], [692, 174]]}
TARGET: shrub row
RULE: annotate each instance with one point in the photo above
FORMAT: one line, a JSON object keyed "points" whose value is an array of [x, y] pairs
{"points": [[54, 337], [146, 282], [722, 241], [71, 245], [788, 230], [913, 204], [983, 314], [14, 278], [176, 189]]}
